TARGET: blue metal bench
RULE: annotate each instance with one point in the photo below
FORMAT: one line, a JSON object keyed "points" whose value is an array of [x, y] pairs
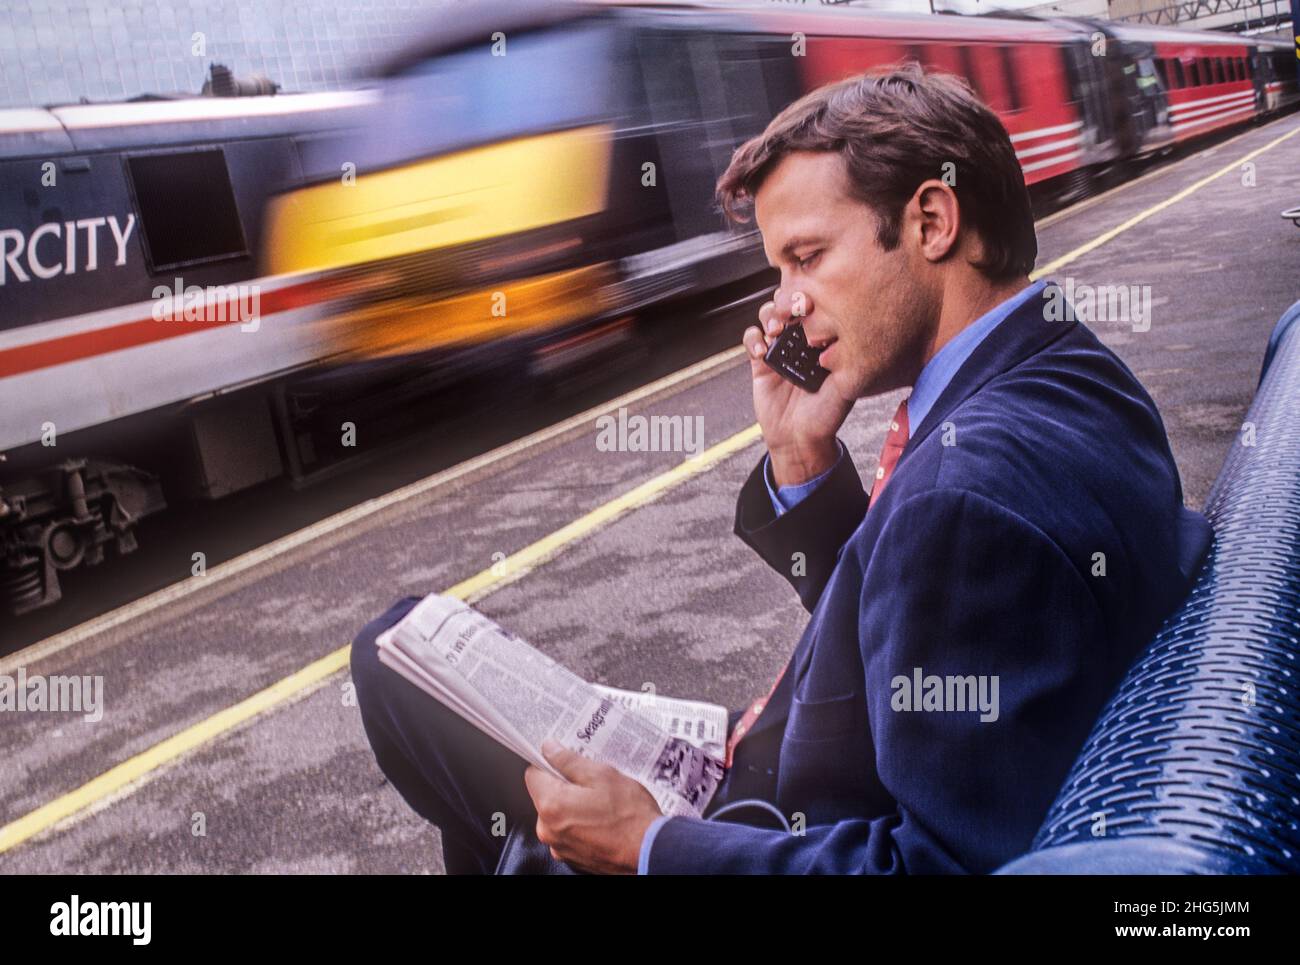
{"points": [[1194, 766]]}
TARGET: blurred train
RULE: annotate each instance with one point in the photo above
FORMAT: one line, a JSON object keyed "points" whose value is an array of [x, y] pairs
{"points": [[195, 292]]}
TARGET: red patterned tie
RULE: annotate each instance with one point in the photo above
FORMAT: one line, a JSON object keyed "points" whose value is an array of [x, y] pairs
{"points": [[895, 441]]}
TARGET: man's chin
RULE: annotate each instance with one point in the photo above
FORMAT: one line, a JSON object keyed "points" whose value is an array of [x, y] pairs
{"points": [[843, 383]]}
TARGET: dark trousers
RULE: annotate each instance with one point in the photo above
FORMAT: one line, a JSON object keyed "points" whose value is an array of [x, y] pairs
{"points": [[445, 768]]}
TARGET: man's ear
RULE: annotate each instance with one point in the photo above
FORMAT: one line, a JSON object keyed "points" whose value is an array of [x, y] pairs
{"points": [[938, 219]]}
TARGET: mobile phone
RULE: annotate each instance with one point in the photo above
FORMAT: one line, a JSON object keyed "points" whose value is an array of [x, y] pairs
{"points": [[790, 355]]}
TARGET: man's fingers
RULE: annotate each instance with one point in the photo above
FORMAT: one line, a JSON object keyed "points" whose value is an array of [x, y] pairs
{"points": [[578, 769], [541, 785], [769, 319], [755, 344]]}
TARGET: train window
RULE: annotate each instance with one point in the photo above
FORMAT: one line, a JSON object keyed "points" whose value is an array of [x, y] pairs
{"points": [[187, 208], [1218, 70], [1193, 73], [942, 57], [1207, 75], [1009, 78], [436, 105], [1163, 71], [968, 68], [992, 79], [743, 72], [1180, 79], [967, 64]]}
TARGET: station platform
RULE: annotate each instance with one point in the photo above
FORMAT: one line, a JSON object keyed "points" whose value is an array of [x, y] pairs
{"points": [[227, 704]]}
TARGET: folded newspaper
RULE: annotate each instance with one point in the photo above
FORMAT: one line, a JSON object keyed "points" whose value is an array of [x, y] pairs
{"points": [[520, 697]]}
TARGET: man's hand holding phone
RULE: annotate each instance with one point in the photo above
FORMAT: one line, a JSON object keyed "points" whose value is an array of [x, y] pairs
{"points": [[798, 426]]}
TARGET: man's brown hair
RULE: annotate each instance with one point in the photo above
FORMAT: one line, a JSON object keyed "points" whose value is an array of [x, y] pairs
{"points": [[896, 127]]}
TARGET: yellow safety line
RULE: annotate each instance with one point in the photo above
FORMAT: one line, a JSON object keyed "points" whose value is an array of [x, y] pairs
{"points": [[135, 769], [224, 572]]}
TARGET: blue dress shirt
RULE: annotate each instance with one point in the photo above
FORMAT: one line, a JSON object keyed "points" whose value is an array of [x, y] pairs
{"points": [[934, 378]]}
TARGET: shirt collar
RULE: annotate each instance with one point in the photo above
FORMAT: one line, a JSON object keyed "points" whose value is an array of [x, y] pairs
{"points": [[938, 372]]}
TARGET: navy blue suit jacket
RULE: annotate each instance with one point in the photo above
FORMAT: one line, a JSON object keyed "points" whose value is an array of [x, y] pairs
{"points": [[980, 559]]}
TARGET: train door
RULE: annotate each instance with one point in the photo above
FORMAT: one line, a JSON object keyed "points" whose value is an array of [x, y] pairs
{"points": [[1255, 72], [744, 81], [1150, 105], [1086, 75], [683, 131]]}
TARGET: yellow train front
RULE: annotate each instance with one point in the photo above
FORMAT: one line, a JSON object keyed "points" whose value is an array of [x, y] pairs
{"points": [[536, 179], [530, 182]]}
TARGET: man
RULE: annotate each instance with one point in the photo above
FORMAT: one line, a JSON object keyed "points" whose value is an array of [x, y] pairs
{"points": [[1023, 537]]}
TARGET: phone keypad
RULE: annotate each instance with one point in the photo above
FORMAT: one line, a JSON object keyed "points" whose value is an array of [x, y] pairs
{"points": [[790, 355]]}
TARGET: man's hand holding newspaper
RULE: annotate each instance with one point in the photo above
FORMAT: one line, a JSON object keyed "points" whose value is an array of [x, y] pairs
{"points": [[594, 817], [605, 762]]}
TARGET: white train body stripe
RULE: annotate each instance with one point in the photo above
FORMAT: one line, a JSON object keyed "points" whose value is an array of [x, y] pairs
{"points": [[1049, 162], [1179, 127], [1046, 131], [1050, 147], [120, 314], [1212, 100], [100, 388]]}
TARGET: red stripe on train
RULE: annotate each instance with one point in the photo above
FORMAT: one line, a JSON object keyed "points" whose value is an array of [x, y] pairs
{"points": [[82, 345]]}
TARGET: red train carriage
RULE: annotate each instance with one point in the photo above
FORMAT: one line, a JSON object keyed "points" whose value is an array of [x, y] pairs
{"points": [[1211, 81], [1038, 76]]}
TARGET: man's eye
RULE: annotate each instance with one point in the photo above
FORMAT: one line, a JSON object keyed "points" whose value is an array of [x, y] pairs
{"points": [[808, 260]]}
